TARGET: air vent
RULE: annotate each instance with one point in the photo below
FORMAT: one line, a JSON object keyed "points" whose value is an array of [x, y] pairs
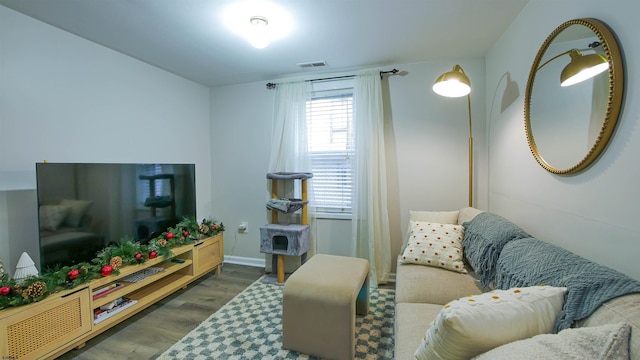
{"points": [[312, 64]]}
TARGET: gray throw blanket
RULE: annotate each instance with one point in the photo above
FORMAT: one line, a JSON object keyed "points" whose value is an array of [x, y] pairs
{"points": [[529, 262], [484, 237]]}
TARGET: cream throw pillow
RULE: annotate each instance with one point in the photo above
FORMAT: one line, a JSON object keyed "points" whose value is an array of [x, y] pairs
{"points": [[435, 244], [472, 325]]}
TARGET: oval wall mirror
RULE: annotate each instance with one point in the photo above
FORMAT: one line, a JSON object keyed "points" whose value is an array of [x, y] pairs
{"points": [[569, 125]]}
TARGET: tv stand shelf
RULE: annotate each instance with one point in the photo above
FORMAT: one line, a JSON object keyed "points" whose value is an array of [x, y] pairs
{"points": [[77, 305], [128, 288]]}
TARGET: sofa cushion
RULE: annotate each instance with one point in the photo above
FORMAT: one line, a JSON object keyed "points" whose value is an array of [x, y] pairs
{"points": [[604, 342], [423, 284], [460, 331], [624, 309], [411, 322], [435, 244], [443, 217], [467, 214]]}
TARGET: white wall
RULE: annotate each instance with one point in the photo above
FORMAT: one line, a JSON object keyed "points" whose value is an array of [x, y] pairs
{"points": [[66, 99], [426, 142], [594, 213], [240, 145]]}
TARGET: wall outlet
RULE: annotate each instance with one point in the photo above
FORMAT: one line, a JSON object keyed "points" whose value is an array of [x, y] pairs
{"points": [[243, 227]]}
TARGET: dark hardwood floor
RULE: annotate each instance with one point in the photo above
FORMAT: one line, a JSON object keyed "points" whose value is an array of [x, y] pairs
{"points": [[152, 331]]}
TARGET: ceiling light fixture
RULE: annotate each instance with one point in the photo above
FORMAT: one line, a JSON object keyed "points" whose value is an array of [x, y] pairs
{"points": [[248, 19], [259, 36]]}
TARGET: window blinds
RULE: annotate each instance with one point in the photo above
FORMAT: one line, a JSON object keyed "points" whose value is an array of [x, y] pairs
{"points": [[331, 143]]}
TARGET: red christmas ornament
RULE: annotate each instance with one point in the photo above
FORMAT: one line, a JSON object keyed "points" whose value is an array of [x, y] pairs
{"points": [[185, 233], [138, 256], [5, 290], [73, 274], [153, 254], [107, 270], [169, 236]]}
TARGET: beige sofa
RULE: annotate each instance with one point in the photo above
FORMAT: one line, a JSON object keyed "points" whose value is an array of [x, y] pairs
{"points": [[421, 292]]}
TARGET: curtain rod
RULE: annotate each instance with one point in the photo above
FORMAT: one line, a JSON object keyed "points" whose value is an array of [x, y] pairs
{"points": [[393, 72]]}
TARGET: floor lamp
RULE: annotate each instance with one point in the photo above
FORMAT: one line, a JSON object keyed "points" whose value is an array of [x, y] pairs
{"points": [[455, 83]]}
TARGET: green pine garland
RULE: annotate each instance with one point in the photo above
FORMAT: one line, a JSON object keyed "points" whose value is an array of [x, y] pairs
{"points": [[126, 252]]}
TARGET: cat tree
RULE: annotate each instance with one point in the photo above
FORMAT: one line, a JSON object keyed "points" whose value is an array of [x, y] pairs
{"points": [[286, 239]]}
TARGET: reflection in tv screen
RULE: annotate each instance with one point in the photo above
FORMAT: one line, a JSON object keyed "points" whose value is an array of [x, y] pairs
{"points": [[83, 207]]}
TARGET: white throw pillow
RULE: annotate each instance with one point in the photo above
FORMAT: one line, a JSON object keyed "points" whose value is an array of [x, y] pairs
{"points": [[472, 325], [603, 342], [51, 216], [435, 244]]}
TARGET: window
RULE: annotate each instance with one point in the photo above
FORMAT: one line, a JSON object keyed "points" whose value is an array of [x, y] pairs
{"points": [[331, 144]]}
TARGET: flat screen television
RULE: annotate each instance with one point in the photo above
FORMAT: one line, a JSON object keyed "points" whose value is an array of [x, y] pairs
{"points": [[83, 207]]}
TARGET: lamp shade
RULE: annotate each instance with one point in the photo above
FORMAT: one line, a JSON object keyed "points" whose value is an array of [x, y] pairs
{"points": [[582, 67], [454, 83]]}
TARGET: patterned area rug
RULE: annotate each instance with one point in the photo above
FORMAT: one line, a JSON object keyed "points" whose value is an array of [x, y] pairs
{"points": [[250, 327]]}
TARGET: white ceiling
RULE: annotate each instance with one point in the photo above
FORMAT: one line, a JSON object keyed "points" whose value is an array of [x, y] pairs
{"points": [[189, 38]]}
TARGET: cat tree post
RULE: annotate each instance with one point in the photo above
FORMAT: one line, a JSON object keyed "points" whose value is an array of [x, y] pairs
{"points": [[274, 220]]}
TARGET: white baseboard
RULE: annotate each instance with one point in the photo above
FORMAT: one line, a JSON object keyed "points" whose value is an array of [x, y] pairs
{"points": [[239, 260]]}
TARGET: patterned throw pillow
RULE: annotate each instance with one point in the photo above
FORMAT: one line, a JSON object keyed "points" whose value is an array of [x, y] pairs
{"points": [[51, 216], [472, 325], [435, 244], [442, 217]]}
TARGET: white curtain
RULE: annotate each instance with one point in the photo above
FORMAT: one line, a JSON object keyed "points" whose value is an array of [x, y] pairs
{"points": [[370, 222], [289, 134], [289, 151]]}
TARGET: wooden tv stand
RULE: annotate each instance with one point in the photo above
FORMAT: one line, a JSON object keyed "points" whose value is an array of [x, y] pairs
{"points": [[65, 320]]}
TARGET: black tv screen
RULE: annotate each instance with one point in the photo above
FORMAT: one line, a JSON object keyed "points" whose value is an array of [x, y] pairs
{"points": [[83, 207]]}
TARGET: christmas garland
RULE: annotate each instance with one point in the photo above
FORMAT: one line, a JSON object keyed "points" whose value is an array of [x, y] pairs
{"points": [[107, 262]]}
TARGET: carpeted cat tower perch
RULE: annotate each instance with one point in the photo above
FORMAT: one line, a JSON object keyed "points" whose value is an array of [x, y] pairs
{"points": [[285, 239]]}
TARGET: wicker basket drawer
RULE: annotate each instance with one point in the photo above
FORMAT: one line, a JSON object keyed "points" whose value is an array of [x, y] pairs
{"points": [[38, 329]]}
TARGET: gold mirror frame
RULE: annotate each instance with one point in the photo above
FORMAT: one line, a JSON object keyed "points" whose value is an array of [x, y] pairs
{"points": [[614, 103]]}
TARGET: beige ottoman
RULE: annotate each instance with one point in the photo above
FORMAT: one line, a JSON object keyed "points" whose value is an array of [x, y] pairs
{"points": [[320, 303]]}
